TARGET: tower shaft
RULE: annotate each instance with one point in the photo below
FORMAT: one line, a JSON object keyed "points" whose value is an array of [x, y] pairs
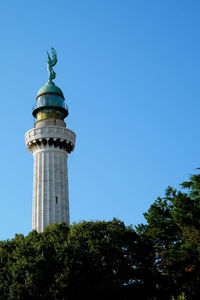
{"points": [[50, 186], [50, 146]]}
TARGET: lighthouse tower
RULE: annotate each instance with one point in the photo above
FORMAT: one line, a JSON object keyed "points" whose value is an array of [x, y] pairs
{"points": [[50, 142]]}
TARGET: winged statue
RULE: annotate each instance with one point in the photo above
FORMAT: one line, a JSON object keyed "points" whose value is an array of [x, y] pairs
{"points": [[51, 63]]}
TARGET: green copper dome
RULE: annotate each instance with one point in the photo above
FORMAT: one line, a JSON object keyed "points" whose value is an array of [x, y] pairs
{"points": [[50, 88]]}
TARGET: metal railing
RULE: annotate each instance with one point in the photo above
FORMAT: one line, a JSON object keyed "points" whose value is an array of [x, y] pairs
{"points": [[35, 106]]}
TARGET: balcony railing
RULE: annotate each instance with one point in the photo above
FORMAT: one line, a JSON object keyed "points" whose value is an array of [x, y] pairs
{"points": [[36, 106]]}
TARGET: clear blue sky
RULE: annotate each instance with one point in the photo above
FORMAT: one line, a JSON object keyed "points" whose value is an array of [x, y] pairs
{"points": [[130, 71]]}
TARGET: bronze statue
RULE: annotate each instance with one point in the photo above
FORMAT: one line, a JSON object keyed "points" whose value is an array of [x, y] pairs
{"points": [[51, 63]]}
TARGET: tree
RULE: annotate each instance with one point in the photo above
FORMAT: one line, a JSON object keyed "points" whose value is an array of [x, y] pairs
{"points": [[173, 224], [108, 260], [89, 259]]}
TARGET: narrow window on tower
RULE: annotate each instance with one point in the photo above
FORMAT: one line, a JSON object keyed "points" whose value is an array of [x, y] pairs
{"points": [[56, 199]]}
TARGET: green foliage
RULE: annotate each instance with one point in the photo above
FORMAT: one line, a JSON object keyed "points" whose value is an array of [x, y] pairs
{"points": [[173, 224], [108, 260], [90, 259]]}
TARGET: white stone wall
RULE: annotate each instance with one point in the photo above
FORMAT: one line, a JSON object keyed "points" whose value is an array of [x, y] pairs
{"points": [[50, 147]]}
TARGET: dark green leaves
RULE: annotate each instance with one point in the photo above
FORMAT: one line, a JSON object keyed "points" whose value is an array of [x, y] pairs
{"points": [[89, 259]]}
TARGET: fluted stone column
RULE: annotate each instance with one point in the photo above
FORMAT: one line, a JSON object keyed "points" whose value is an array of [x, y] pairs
{"points": [[50, 146]]}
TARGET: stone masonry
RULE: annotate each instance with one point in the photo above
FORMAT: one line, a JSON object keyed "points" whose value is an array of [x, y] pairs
{"points": [[50, 147]]}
